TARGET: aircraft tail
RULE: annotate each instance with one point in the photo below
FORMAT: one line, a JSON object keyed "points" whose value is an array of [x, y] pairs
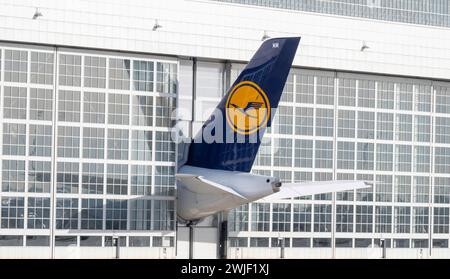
{"points": [[230, 138]]}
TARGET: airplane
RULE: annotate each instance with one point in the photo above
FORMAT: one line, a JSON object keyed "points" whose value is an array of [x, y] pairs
{"points": [[216, 176]]}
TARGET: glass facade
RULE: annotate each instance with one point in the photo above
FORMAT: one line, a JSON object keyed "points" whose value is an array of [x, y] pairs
{"points": [[84, 151], [391, 131], [425, 12], [87, 155]]}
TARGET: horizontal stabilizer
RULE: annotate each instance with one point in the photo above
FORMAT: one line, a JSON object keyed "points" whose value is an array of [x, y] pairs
{"points": [[201, 185], [293, 190]]}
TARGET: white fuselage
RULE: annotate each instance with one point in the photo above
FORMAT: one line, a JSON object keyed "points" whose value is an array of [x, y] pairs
{"points": [[194, 204]]}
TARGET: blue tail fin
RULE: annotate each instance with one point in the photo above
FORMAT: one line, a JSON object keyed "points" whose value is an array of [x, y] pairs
{"points": [[240, 119]]}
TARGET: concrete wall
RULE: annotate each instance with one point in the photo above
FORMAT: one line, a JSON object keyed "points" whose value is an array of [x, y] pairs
{"points": [[205, 243], [229, 31], [340, 253], [87, 253]]}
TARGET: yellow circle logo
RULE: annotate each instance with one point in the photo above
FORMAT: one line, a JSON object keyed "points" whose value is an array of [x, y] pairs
{"points": [[247, 108]]}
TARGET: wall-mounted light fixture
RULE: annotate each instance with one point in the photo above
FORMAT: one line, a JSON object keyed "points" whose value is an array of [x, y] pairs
{"points": [[37, 13], [364, 46], [265, 36], [156, 25]]}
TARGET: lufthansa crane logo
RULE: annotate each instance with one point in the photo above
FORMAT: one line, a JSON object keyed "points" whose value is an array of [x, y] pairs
{"points": [[247, 108]]}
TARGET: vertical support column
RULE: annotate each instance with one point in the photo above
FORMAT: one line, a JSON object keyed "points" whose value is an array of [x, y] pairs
{"points": [[194, 98], [194, 94], [191, 240], [116, 243], [431, 182], [335, 127], [184, 99], [2, 79], [227, 78], [118, 250], [383, 246], [375, 171], [281, 241], [223, 234], [53, 164]]}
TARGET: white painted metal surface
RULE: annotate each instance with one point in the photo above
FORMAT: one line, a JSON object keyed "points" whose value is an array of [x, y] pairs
{"points": [[341, 253], [202, 192], [294, 190], [218, 190], [87, 253], [204, 246], [220, 30]]}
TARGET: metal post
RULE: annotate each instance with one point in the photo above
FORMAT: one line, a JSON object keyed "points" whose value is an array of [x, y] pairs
{"points": [[383, 246], [191, 240], [223, 236], [281, 243], [116, 243]]}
